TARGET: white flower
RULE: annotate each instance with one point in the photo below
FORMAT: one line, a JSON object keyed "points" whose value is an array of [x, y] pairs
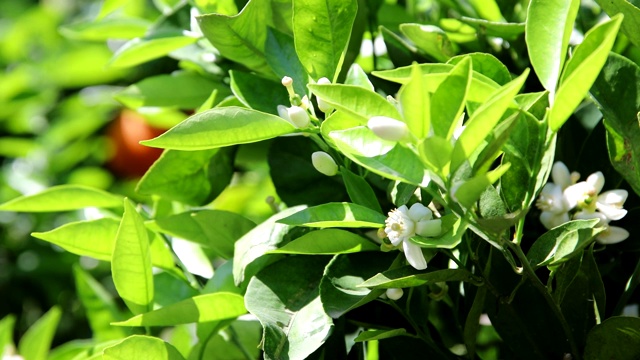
{"points": [[552, 200], [611, 234], [323, 105], [295, 115], [387, 128], [394, 293], [586, 196], [324, 163], [403, 223]]}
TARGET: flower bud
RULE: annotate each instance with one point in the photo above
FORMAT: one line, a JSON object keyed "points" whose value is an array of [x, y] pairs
{"points": [[323, 105], [324, 163], [389, 129], [394, 293], [295, 115]]}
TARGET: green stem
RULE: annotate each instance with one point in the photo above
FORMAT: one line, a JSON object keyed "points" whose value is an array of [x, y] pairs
{"points": [[238, 344], [529, 273]]}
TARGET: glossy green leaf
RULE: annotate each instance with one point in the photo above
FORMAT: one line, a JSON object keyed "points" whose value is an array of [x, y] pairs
{"points": [[222, 127], [192, 177], [201, 308], [254, 244], [416, 104], [258, 93], [339, 289], [507, 31], [131, 262], [617, 93], [359, 190], [322, 29], [109, 6], [281, 56], [582, 70], [432, 40], [216, 229], [470, 191], [631, 12], [407, 276], [436, 154], [143, 348], [327, 242], [449, 99], [484, 120], [6, 334], [562, 242], [241, 37], [487, 9], [357, 76], [617, 337], [487, 65], [453, 228], [385, 158], [35, 343], [356, 101], [96, 238], [335, 215], [547, 32], [105, 29], [285, 298], [63, 198], [100, 308], [141, 50], [370, 335], [161, 91]]}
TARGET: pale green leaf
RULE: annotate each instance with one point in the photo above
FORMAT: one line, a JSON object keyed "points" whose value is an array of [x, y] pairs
{"points": [[356, 101], [105, 29], [327, 242], [35, 343], [141, 347], [430, 39], [416, 104], [631, 12], [63, 198], [141, 50], [469, 192], [336, 215], [450, 97]]}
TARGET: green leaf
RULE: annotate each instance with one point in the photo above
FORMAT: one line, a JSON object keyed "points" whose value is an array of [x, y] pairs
{"points": [[161, 91], [470, 191], [416, 104], [407, 276], [436, 152], [285, 298], [453, 228], [371, 335], [105, 29], [142, 347], [258, 93], [631, 13], [484, 120], [242, 37], [322, 29], [100, 308], [257, 242], [222, 127], [582, 70], [561, 243], [430, 39], [547, 32], [131, 262], [507, 31], [487, 65], [356, 101], [339, 289], [282, 58], [472, 324], [487, 9], [357, 76], [63, 198], [359, 190], [617, 93], [215, 229], [141, 50], [109, 6], [327, 242], [201, 308], [192, 177], [617, 338], [35, 343], [6, 334], [385, 158], [448, 101], [336, 215]]}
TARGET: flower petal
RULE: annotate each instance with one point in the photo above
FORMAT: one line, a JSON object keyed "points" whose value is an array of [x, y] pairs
{"points": [[551, 220], [611, 212], [577, 193], [429, 228], [560, 175], [614, 197], [414, 255], [596, 180], [418, 212], [612, 235]]}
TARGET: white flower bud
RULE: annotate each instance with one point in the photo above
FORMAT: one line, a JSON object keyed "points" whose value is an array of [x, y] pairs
{"points": [[323, 105], [295, 115], [324, 163], [287, 81], [394, 293], [389, 129]]}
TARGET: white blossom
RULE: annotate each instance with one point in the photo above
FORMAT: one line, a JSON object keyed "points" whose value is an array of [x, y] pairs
{"points": [[403, 223]]}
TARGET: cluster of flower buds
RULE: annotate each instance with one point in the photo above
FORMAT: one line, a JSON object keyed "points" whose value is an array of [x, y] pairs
{"points": [[565, 198]]}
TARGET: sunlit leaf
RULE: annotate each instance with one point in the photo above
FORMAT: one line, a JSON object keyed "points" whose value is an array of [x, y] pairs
{"points": [[63, 198], [560, 243], [141, 50], [407, 276], [335, 215], [327, 242], [142, 347], [35, 343]]}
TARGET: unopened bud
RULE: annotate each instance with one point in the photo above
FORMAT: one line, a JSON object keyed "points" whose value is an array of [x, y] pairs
{"points": [[389, 129], [323, 105], [295, 115], [324, 163], [394, 293]]}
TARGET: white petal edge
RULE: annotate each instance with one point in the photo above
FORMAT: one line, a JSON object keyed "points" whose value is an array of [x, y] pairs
{"points": [[414, 255], [612, 235]]}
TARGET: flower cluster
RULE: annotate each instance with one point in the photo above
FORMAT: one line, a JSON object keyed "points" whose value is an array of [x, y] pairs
{"points": [[565, 199], [404, 223]]}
